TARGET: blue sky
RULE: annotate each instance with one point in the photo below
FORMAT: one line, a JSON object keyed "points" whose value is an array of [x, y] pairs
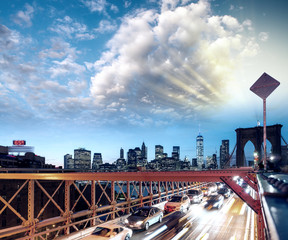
{"points": [[109, 74]]}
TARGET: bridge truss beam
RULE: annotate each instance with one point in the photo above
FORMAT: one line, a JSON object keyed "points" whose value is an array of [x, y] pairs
{"points": [[147, 188]]}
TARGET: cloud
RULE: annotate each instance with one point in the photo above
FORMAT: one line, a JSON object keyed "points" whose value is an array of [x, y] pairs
{"points": [[24, 18], [182, 57], [67, 66], [95, 5], [69, 28], [263, 36], [9, 39], [105, 26]]}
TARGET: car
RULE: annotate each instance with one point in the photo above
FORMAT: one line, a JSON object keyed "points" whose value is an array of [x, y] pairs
{"points": [[144, 217], [177, 203], [220, 185], [195, 195], [225, 192], [246, 187], [212, 186], [110, 231], [214, 201], [206, 190]]}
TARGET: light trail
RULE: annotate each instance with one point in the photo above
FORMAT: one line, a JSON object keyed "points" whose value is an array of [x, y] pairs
{"points": [[247, 225], [154, 234], [242, 211], [180, 234], [228, 205]]}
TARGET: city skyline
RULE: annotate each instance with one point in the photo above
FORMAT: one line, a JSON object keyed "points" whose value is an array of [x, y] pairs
{"points": [[106, 75]]}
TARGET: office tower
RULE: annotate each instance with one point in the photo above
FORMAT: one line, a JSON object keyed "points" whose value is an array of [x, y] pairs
{"points": [[211, 162], [176, 152], [158, 152], [82, 159], [139, 159], [224, 153], [131, 158], [68, 161], [122, 153], [199, 151], [144, 153], [194, 162], [214, 160], [97, 161]]}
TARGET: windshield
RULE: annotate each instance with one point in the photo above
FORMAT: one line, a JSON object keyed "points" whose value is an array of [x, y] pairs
{"points": [[192, 192], [141, 212], [223, 190], [175, 199], [213, 199], [101, 231]]}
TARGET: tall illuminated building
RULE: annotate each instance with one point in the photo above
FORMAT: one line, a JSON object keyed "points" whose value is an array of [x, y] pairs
{"points": [[97, 161], [200, 151], [68, 161], [82, 159], [144, 151], [224, 153], [176, 152], [159, 152]]}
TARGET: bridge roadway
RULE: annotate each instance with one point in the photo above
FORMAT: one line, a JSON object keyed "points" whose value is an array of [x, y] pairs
{"points": [[235, 220], [270, 222]]}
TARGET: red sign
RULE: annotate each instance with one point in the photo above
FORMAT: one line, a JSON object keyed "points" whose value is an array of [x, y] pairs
{"points": [[19, 142]]}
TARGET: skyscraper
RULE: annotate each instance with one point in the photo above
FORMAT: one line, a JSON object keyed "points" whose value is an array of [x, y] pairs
{"points": [[224, 153], [68, 161], [82, 159], [144, 153], [176, 152], [121, 153], [97, 160], [158, 152], [199, 150]]}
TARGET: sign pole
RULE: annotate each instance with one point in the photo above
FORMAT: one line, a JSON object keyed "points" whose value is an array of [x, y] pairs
{"points": [[263, 87], [264, 133]]}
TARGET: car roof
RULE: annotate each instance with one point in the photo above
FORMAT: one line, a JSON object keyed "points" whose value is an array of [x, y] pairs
{"points": [[146, 207], [109, 225]]}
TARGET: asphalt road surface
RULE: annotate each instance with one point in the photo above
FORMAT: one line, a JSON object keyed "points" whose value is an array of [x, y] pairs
{"points": [[234, 220]]}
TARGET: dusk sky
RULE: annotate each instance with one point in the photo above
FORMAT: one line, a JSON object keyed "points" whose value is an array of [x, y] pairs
{"points": [[104, 74]]}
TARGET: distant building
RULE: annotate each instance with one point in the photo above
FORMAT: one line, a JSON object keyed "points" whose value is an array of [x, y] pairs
{"points": [[211, 162], [144, 151], [97, 161], [82, 159], [27, 160], [68, 161], [194, 163], [200, 150], [121, 162], [107, 167], [131, 158], [137, 158], [224, 153], [158, 152], [121, 153], [176, 152]]}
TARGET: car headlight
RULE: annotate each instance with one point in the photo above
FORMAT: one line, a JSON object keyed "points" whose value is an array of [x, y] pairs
{"points": [[126, 221], [139, 223]]}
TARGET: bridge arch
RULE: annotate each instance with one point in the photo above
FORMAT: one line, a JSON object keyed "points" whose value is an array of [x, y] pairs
{"points": [[255, 135]]}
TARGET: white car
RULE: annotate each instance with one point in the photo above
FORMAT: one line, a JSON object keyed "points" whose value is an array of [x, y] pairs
{"points": [[110, 231], [144, 217], [177, 203]]}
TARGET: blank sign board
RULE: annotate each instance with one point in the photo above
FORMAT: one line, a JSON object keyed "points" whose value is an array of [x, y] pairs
{"points": [[264, 86]]}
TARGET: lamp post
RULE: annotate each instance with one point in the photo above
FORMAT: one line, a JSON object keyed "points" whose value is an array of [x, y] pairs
{"points": [[263, 87], [256, 158]]}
